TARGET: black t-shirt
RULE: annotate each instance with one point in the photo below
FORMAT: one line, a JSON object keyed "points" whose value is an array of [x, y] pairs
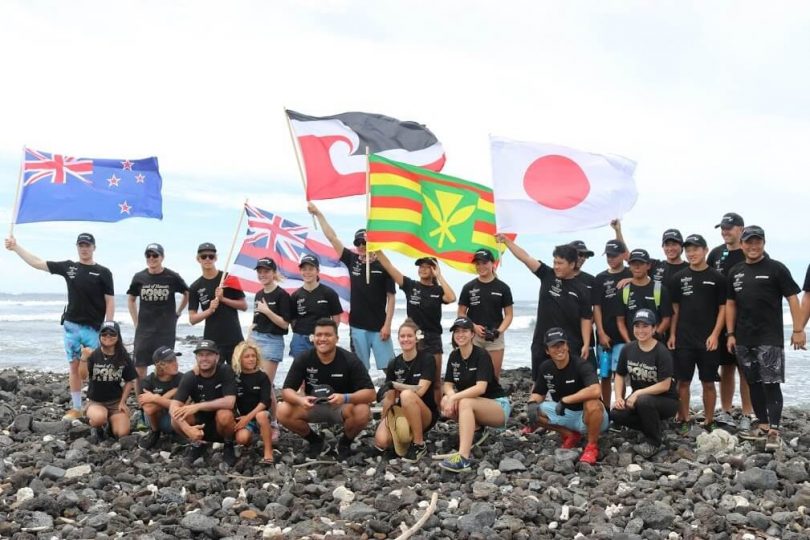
{"points": [[806, 286], [309, 306], [699, 295], [278, 300], [642, 369], [223, 325], [466, 373], [587, 280], [157, 310], [87, 284], [643, 296], [424, 304], [345, 373], [368, 300], [563, 303], [202, 389], [604, 295], [252, 389], [486, 301], [105, 379], [758, 289], [723, 260], [661, 270], [558, 383], [156, 386], [421, 367]]}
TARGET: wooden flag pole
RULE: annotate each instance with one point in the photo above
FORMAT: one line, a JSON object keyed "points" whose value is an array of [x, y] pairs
{"points": [[233, 244], [15, 209], [368, 212], [297, 150]]}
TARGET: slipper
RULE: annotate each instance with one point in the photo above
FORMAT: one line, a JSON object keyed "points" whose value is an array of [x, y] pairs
{"points": [[267, 461]]}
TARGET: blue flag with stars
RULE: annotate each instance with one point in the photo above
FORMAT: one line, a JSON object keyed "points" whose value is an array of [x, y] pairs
{"points": [[57, 187]]}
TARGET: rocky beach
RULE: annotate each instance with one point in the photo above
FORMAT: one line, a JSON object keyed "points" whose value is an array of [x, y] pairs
{"points": [[56, 483]]}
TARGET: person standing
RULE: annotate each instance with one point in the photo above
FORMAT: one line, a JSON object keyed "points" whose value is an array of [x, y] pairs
{"points": [[153, 309], [372, 300], [672, 246], [310, 303], [217, 306], [806, 298], [91, 301], [643, 293], [755, 330]]}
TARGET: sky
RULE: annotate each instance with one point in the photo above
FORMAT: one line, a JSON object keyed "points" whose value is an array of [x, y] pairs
{"points": [[710, 99]]}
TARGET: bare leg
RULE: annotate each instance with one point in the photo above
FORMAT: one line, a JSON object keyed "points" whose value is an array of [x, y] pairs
{"points": [[74, 381], [96, 415], [745, 395], [355, 418], [417, 414], [266, 433], [607, 388], [294, 418], [709, 401], [727, 386], [593, 413], [120, 424], [683, 401], [225, 424], [382, 437], [497, 361], [472, 411]]}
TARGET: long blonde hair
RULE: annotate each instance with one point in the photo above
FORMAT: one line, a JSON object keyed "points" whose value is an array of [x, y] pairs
{"points": [[239, 350]]}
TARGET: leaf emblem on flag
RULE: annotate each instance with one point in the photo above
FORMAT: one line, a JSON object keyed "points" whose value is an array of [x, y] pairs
{"points": [[446, 214]]}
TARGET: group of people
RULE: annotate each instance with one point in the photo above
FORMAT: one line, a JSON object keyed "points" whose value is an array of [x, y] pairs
{"points": [[647, 325]]}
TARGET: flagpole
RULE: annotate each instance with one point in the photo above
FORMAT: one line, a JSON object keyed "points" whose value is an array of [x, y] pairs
{"points": [[233, 244], [368, 212], [15, 209], [297, 150]]}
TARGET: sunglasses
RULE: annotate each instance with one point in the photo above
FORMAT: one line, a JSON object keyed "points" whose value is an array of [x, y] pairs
{"points": [[109, 334], [207, 257], [152, 255]]}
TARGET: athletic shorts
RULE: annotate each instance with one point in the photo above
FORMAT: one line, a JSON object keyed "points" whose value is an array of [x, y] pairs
{"points": [[432, 343], [111, 406], [145, 347], [614, 353], [762, 363], [208, 418], [77, 336], [164, 424], [323, 413], [571, 419], [497, 345], [707, 363], [726, 358], [271, 345]]}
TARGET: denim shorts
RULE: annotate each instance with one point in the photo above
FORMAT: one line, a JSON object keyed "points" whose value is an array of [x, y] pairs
{"points": [[506, 406], [571, 419], [164, 424], [77, 336], [300, 344], [271, 345]]}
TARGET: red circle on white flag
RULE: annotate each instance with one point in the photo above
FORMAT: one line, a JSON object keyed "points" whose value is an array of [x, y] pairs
{"points": [[556, 182]]}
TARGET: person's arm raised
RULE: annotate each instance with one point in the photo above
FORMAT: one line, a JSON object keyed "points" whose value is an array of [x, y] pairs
{"points": [[31, 259], [327, 229], [521, 254]]}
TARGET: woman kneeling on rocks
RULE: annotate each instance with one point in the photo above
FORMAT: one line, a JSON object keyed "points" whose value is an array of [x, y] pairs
{"points": [[472, 394], [415, 368], [646, 365], [111, 377], [253, 393]]}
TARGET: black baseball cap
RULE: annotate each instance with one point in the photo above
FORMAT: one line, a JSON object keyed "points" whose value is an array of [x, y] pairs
{"points": [[359, 237], [672, 234], [164, 354], [86, 238], [266, 262], [110, 326], [426, 260], [615, 247], [309, 259], [206, 345], [555, 335], [206, 246], [751, 231], [695, 240], [154, 248], [639, 255], [462, 322], [645, 316], [731, 219], [581, 248], [483, 255]]}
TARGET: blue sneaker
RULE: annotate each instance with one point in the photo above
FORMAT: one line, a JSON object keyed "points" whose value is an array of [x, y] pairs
{"points": [[456, 463]]}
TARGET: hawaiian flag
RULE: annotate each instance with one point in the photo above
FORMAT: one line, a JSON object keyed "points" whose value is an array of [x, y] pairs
{"points": [[270, 235], [57, 187]]}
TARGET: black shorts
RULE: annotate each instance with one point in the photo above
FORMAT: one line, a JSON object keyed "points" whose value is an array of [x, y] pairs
{"points": [[145, 347], [726, 358], [210, 430], [707, 363], [762, 363], [432, 343]]}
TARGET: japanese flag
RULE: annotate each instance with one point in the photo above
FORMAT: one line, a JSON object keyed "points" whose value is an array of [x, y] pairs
{"points": [[545, 188]]}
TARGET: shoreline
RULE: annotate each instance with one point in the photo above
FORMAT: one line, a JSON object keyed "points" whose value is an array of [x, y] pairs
{"points": [[55, 483]]}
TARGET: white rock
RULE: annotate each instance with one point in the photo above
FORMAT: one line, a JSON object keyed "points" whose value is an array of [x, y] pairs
{"points": [[718, 442], [217, 446], [371, 472], [624, 489], [343, 494], [242, 494], [564, 513], [48, 438], [165, 455], [337, 532], [490, 474], [272, 531], [228, 502], [452, 505], [794, 442], [506, 489], [423, 504], [579, 535], [389, 477], [396, 493], [23, 494], [574, 482], [266, 486], [326, 521], [674, 536], [553, 525], [77, 471], [634, 468], [707, 470], [748, 536], [741, 502], [613, 510], [152, 488]]}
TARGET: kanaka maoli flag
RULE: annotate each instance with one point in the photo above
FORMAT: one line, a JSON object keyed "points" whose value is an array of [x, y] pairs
{"points": [[57, 187]]}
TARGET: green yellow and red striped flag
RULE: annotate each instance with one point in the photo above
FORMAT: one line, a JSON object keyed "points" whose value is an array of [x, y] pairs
{"points": [[421, 213]]}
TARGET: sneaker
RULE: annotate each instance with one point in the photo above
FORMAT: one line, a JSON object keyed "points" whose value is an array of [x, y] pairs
{"points": [[646, 449], [72, 414], [195, 452], [314, 450], [753, 434], [97, 435], [746, 422], [528, 430], [773, 442], [710, 427], [683, 428], [456, 463], [415, 452], [571, 441], [480, 436], [616, 428], [725, 418], [229, 454], [590, 454], [150, 440], [343, 449]]}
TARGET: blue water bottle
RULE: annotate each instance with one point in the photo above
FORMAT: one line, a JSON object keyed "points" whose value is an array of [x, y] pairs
{"points": [[604, 364]]}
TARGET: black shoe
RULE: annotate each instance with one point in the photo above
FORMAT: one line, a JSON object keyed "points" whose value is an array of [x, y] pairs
{"points": [[316, 448], [195, 452], [150, 440], [228, 454], [97, 435], [343, 450], [415, 453]]}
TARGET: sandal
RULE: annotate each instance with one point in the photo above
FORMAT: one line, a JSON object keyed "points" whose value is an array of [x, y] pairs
{"points": [[267, 461]]}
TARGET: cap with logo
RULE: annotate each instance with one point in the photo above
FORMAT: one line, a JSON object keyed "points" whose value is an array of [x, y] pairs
{"points": [[753, 231], [554, 335], [206, 246], [309, 259], [426, 260], [639, 255], [581, 248], [110, 327], [86, 238], [359, 237], [731, 219], [164, 354], [645, 316], [154, 248], [483, 255], [695, 240], [206, 345], [462, 322], [322, 392], [615, 247], [266, 262], [673, 235]]}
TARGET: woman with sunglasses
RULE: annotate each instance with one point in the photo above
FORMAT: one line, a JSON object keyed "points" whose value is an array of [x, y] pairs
{"points": [[110, 375]]}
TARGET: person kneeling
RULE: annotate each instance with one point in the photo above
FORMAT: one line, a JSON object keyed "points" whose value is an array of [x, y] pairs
{"points": [[575, 407], [111, 377], [646, 365], [253, 392], [472, 394], [157, 391], [338, 391], [211, 389]]}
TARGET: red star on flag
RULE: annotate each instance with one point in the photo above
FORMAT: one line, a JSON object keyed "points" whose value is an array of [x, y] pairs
{"points": [[113, 181], [139, 178], [126, 165], [125, 208]]}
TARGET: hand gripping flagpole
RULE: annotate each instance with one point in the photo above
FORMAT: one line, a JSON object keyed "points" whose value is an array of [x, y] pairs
{"points": [[297, 150], [15, 209], [233, 244], [368, 213]]}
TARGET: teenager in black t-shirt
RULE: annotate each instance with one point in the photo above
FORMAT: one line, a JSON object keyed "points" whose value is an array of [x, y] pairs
{"points": [[210, 390], [487, 302], [158, 389], [311, 302], [663, 270], [217, 306], [643, 293], [646, 366], [253, 390], [91, 301], [415, 368], [337, 390], [110, 375], [472, 394]]}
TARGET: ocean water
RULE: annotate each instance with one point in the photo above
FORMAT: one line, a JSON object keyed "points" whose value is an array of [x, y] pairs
{"points": [[31, 338]]}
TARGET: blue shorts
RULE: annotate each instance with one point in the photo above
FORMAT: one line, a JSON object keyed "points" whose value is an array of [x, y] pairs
{"points": [[164, 424], [365, 341], [614, 352], [506, 406], [76, 336], [253, 427], [300, 344], [572, 420], [271, 345]]}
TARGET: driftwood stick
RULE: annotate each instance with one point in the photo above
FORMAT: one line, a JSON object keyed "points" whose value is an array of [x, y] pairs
{"points": [[418, 525]]}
